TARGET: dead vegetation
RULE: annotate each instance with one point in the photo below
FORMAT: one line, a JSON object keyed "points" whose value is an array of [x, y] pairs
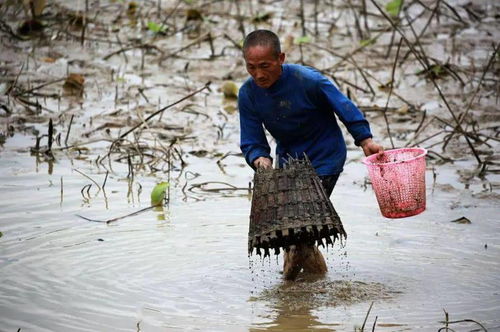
{"points": [[394, 59]]}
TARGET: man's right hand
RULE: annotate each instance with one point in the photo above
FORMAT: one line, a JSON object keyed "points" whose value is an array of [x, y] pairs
{"points": [[263, 162]]}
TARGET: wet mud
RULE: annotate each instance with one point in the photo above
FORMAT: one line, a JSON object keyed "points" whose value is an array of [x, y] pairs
{"points": [[306, 292]]}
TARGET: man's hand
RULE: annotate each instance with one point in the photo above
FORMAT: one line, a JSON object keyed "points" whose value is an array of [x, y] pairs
{"points": [[262, 162], [370, 147]]}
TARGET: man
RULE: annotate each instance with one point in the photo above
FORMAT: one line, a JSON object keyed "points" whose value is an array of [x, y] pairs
{"points": [[297, 105]]}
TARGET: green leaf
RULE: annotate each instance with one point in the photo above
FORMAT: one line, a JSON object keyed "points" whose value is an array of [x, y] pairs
{"points": [[302, 40], [155, 27], [1, 234], [158, 193], [394, 7], [366, 42], [437, 70]]}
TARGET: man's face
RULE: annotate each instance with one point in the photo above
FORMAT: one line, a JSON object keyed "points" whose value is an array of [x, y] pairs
{"points": [[263, 65]]}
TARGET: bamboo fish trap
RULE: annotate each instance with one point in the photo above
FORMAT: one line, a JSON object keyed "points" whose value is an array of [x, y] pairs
{"points": [[289, 206]]}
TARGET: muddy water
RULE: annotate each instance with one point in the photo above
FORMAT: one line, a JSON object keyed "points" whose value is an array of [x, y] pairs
{"points": [[186, 267]]}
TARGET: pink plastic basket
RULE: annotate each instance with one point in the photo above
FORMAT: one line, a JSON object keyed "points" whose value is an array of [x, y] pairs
{"points": [[398, 179]]}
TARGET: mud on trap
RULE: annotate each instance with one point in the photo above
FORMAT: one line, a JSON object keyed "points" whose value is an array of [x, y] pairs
{"points": [[290, 206]]}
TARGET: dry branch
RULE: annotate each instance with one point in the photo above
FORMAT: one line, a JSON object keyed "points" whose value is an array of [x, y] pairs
{"points": [[425, 64]]}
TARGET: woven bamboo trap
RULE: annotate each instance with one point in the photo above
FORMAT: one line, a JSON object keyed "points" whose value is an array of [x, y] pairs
{"points": [[289, 206]]}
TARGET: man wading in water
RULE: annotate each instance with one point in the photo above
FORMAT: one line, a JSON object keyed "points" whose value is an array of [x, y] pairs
{"points": [[297, 105]]}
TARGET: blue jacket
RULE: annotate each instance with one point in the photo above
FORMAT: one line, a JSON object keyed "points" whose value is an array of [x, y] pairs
{"points": [[299, 111]]}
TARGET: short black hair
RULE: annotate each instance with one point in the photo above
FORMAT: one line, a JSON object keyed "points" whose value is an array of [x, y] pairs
{"points": [[262, 38]]}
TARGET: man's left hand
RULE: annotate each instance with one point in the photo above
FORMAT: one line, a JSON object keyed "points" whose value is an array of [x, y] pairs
{"points": [[370, 147]]}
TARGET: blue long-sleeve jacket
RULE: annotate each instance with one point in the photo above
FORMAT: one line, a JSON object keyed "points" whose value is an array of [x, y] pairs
{"points": [[299, 111]]}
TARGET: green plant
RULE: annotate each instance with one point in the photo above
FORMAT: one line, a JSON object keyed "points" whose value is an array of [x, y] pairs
{"points": [[394, 7], [158, 193]]}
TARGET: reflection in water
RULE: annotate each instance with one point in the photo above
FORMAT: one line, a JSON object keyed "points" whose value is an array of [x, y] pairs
{"points": [[161, 213], [41, 159], [293, 315], [294, 302]]}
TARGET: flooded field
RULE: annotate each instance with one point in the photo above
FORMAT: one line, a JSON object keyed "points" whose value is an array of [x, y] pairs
{"points": [[184, 267]]}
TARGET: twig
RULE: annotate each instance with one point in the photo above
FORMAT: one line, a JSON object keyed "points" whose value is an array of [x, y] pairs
{"points": [[84, 22], [362, 72], [211, 43], [366, 317], [179, 154], [448, 329], [129, 48], [374, 324], [50, 136], [240, 17], [62, 190], [390, 92], [425, 64], [421, 122], [130, 174], [428, 138], [141, 91], [13, 85], [41, 86], [88, 186], [164, 23], [235, 44], [316, 31], [302, 18], [434, 11], [174, 53], [448, 107], [420, 128], [69, 129], [121, 45], [97, 40], [356, 20], [443, 158], [88, 177], [466, 321], [230, 186], [118, 218], [206, 86], [453, 10], [357, 87], [444, 14], [105, 179], [393, 34], [349, 58], [350, 54], [168, 175], [469, 106]]}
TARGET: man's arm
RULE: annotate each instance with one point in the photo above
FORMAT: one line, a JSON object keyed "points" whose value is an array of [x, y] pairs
{"points": [[253, 141], [350, 116]]}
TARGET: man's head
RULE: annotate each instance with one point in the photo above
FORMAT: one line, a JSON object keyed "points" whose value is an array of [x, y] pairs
{"points": [[263, 57]]}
